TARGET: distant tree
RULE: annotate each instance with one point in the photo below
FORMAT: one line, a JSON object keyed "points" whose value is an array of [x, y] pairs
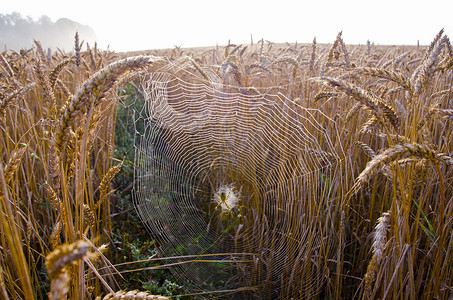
{"points": [[17, 32]]}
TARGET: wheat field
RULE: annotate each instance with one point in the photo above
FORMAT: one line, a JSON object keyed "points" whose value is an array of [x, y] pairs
{"points": [[386, 202]]}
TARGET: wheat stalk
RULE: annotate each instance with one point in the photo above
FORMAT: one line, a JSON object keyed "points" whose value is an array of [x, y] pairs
{"points": [[59, 287], [313, 55], [56, 263], [378, 107], [133, 295], [6, 66], [13, 163], [40, 50], [49, 95], [54, 201], [53, 75], [354, 109], [423, 73], [55, 234], [13, 96], [396, 152], [334, 53], [230, 66], [370, 152], [89, 216], [332, 50], [64, 255], [396, 77], [257, 65], [399, 59], [65, 91], [370, 125], [104, 186], [54, 167], [92, 59], [446, 113], [322, 95], [379, 242], [286, 59], [433, 44], [77, 47], [199, 69], [93, 90]]}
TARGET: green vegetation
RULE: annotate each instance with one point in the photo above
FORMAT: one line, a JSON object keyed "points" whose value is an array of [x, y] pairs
{"points": [[133, 244]]}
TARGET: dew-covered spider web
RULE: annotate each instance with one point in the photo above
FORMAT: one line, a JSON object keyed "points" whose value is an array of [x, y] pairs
{"points": [[228, 183]]}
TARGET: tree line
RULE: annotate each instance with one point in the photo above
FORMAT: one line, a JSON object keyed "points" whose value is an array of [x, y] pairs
{"points": [[18, 32]]}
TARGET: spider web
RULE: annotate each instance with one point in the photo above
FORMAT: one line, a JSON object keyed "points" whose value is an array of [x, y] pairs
{"points": [[201, 137]]}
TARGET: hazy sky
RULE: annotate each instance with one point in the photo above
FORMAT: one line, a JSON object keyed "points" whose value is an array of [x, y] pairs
{"points": [[139, 25]]}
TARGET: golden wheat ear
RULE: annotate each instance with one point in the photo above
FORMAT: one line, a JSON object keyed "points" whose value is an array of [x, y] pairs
{"points": [[95, 89], [426, 69], [64, 255], [10, 99], [49, 96], [56, 263], [368, 151], [104, 186], [77, 48], [396, 77], [6, 66], [133, 295], [379, 242], [445, 113], [13, 163], [53, 75], [397, 152], [378, 107]]}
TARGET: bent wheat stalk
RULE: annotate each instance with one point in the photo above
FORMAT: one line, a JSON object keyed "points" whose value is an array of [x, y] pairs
{"points": [[10, 99], [396, 152], [396, 77], [378, 107], [95, 89]]}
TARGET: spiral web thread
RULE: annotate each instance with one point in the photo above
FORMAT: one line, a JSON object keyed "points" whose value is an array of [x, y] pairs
{"points": [[204, 143]]}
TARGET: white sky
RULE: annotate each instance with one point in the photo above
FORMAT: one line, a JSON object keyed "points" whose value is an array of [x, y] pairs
{"points": [[139, 25]]}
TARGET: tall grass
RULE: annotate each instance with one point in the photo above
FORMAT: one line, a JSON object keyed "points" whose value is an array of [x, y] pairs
{"points": [[388, 199]]}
